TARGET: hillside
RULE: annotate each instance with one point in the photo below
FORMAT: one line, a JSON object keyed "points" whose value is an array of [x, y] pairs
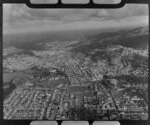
{"points": [[134, 38]]}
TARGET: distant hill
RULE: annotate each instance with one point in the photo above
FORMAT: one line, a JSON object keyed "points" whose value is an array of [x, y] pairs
{"points": [[133, 38], [21, 52], [122, 47]]}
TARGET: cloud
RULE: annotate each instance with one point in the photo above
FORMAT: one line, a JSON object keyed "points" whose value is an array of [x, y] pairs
{"points": [[20, 16], [36, 26]]}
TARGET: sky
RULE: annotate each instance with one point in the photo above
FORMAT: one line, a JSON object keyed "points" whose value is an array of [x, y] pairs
{"points": [[18, 18]]}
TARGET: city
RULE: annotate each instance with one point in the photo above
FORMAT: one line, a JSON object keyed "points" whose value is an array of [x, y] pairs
{"points": [[62, 85]]}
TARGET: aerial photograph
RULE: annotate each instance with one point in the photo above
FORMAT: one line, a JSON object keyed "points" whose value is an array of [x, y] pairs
{"points": [[75, 64]]}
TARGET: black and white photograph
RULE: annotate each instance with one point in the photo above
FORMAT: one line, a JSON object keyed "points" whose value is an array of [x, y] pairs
{"points": [[75, 64]]}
